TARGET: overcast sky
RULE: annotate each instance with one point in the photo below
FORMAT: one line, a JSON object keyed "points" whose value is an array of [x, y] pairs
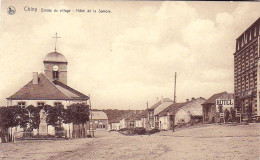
{"points": [[129, 56]]}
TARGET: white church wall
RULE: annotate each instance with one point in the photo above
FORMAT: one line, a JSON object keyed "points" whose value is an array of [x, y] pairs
{"points": [[65, 103]]}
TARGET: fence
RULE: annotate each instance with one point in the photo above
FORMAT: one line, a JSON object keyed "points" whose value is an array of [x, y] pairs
{"points": [[19, 136]]}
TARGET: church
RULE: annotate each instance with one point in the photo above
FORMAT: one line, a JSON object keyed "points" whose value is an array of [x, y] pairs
{"points": [[48, 88]]}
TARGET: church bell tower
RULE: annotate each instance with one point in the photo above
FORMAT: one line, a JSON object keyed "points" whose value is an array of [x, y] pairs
{"points": [[55, 67]]}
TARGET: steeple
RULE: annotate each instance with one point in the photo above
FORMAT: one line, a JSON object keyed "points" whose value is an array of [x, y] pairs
{"points": [[56, 37], [55, 65]]}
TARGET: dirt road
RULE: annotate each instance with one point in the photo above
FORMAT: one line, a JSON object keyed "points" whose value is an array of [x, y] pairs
{"points": [[205, 142]]}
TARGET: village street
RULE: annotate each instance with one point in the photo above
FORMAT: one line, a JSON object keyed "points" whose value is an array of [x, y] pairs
{"points": [[202, 142]]}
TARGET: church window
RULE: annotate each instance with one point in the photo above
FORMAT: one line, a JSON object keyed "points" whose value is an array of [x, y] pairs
{"points": [[40, 104], [21, 104], [55, 75], [57, 103]]}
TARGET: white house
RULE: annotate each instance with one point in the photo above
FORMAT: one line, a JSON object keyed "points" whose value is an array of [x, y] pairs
{"points": [[190, 112], [99, 120], [165, 103], [115, 125]]}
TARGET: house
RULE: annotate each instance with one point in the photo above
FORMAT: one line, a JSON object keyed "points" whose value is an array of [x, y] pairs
{"points": [[166, 116], [150, 118], [49, 88], [153, 111], [215, 105], [166, 102], [189, 112], [114, 125], [141, 119], [99, 120], [127, 120]]}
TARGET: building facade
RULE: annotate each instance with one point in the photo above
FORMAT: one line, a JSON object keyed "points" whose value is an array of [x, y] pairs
{"points": [[246, 71], [99, 120], [215, 105]]}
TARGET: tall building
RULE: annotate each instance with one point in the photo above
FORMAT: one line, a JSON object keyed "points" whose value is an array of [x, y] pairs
{"points": [[247, 71]]}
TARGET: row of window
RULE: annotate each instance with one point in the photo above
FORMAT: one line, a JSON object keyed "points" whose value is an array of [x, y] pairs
{"points": [[247, 36], [101, 126], [39, 104]]}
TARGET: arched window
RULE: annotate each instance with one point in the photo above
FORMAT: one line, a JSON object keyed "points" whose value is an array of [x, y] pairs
{"points": [[55, 75]]}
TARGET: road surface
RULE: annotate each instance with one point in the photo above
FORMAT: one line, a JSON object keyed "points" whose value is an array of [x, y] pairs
{"points": [[204, 142]]}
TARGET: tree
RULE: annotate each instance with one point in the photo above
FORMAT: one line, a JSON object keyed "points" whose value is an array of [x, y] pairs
{"points": [[227, 113], [9, 117], [55, 115], [233, 114], [78, 114]]}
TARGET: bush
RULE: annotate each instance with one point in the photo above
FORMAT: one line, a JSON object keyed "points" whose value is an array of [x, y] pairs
{"points": [[139, 131], [122, 129], [155, 130]]}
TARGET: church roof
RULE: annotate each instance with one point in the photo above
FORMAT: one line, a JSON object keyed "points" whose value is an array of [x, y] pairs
{"points": [[55, 57], [47, 90]]}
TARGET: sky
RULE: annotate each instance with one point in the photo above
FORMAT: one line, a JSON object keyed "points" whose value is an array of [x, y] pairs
{"points": [[129, 56]]}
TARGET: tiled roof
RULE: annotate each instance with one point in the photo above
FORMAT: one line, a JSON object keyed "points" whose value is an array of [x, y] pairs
{"points": [[47, 90], [114, 121], [194, 107], [155, 105], [99, 115], [142, 114], [131, 115], [171, 108], [70, 91]]}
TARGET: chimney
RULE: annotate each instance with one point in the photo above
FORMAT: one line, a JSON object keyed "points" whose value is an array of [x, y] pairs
{"points": [[187, 100], [35, 77]]}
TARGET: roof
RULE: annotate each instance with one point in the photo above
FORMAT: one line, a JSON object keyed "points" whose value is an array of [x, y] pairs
{"points": [[114, 121], [194, 107], [55, 57], [131, 115], [142, 114], [171, 108], [159, 103], [155, 105], [99, 115], [47, 90], [212, 99], [165, 103]]}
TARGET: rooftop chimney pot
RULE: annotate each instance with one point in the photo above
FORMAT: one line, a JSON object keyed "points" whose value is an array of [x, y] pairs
{"points": [[35, 77]]}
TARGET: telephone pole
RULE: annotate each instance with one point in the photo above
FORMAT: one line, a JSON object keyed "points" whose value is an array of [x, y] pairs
{"points": [[148, 117], [91, 121], [175, 77]]}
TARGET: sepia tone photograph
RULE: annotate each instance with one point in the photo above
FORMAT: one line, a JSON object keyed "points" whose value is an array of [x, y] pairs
{"points": [[129, 80]]}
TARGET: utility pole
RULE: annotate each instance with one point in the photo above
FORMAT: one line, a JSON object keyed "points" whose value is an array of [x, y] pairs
{"points": [[175, 77], [91, 126], [148, 117]]}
